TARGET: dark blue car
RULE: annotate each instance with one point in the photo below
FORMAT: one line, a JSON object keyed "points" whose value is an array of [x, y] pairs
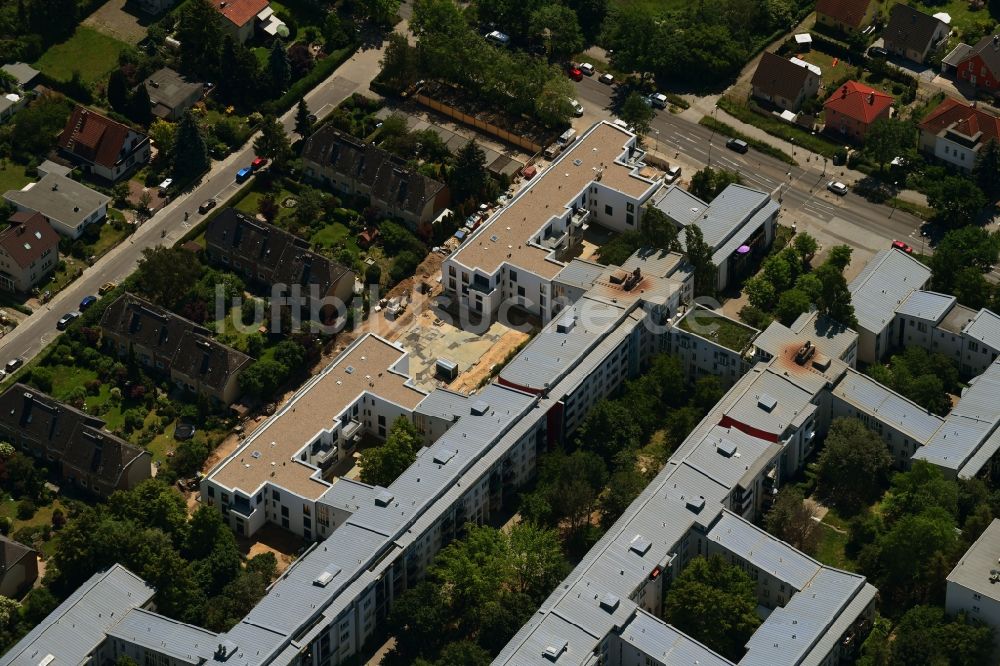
{"points": [[87, 302], [243, 174]]}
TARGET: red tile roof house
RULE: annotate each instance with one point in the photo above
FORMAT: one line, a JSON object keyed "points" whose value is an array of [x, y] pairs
{"points": [[106, 148], [980, 66], [239, 17], [853, 108], [955, 133], [845, 15], [29, 251]]}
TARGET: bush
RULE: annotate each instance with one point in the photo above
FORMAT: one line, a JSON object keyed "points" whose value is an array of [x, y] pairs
{"points": [[26, 509]]}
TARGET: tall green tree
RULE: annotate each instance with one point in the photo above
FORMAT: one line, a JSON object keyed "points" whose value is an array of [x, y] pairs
{"points": [[956, 201], [399, 62], [273, 143], [699, 255], [303, 124], [714, 602], [887, 138], [792, 520], [552, 106], [987, 170], [382, 464], [278, 67], [199, 30], [469, 177], [925, 636], [634, 33], [657, 229], [380, 12], [117, 91], [968, 247], [637, 112], [853, 465], [53, 19], [239, 72], [165, 275], [707, 183], [559, 28], [140, 107], [190, 153]]}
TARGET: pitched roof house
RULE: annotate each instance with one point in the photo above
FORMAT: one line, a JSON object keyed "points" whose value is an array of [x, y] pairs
{"points": [[239, 17], [272, 256], [845, 15], [955, 132], [175, 346], [912, 33], [85, 453], [342, 162], [105, 147], [171, 93], [29, 251], [979, 64], [854, 107], [67, 205], [18, 568], [784, 82]]}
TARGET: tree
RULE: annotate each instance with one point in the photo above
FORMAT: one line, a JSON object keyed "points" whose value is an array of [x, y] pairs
{"points": [[303, 124], [35, 125], [382, 464], [239, 75], [278, 68], [591, 14], [117, 92], [987, 170], [760, 292], [399, 62], [806, 246], [658, 230], [887, 138], [635, 35], [164, 136], [380, 12], [699, 255], [792, 520], [273, 143], [190, 154], [568, 488], [469, 177], [263, 378], [333, 32], [623, 487], [165, 275], [714, 602], [560, 29], [552, 106], [417, 620], [791, 304], [637, 112], [140, 106], [852, 466], [608, 429], [835, 298], [956, 201], [199, 30], [925, 636], [463, 653], [968, 247], [707, 183], [53, 19]]}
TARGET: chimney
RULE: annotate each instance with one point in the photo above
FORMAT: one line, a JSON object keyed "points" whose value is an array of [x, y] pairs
{"points": [[871, 98], [996, 41], [843, 93]]}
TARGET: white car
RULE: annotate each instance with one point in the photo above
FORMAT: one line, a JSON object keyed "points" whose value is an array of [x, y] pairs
{"points": [[659, 100], [837, 187], [577, 108], [606, 79], [586, 68]]}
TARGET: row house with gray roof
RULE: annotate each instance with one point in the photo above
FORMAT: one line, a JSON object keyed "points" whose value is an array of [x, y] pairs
{"points": [[348, 165]]}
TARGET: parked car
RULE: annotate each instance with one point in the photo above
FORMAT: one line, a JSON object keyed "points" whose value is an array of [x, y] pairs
{"points": [[739, 145], [498, 38], [575, 74], [87, 302], [243, 174], [13, 364], [673, 173], [206, 205], [900, 245], [877, 52], [258, 163], [586, 68], [659, 100], [837, 187], [106, 287], [577, 108], [66, 320], [607, 79], [165, 185]]}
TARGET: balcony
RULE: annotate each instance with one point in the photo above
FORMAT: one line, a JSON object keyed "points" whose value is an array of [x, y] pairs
{"points": [[350, 430], [327, 456]]}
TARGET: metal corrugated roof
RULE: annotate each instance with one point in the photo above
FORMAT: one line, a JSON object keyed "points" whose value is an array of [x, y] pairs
{"points": [[579, 273], [680, 205], [711, 455], [78, 625], [886, 281], [985, 328], [973, 569], [867, 395], [763, 550], [741, 233], [667, 645], [928, 305], [791, 401], [184, 642], [653, 262]]}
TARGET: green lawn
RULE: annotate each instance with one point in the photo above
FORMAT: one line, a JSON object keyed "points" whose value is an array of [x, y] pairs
{"points": [[651, 5], [12, 176], [962, 17], [334, 235], [43, 516], [831, 548], [727, 332], [89, 52]]}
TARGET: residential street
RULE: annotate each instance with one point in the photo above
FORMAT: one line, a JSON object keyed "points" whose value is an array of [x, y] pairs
{"points": [[168, 224]]}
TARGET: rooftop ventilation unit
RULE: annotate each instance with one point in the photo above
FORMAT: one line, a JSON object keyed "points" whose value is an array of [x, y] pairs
{"points": [[552, 652], [480, 407], [726, 448], [566, 323], [443, 456], [324, 578], [640, 544], [610, 602], [767, 402], [696, 504], [382, 496]]}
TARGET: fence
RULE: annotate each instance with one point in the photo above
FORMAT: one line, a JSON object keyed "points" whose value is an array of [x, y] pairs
{"points": [[480, 125]]}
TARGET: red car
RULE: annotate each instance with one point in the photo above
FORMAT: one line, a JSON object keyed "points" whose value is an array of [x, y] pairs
{"points": [[900, 245], [258, 163], [575, 74]]}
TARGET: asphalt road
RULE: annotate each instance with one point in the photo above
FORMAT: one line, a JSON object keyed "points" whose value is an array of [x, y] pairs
{"points": [[169, 224], [801, 189]]}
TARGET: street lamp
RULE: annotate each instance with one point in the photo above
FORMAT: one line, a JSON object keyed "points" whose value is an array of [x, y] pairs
{"points": [[715, 109]]}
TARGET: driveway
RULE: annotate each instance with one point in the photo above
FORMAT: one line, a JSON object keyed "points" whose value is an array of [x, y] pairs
{"points": [[115, 20]]}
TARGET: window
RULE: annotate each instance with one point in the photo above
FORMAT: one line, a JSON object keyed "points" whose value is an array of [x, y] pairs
{"points": [[451, 271], [629, 219], [275, 495], [381, 419], [284, 511], [630, 207], [520, 291], [608, 210], [513, 276]]}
